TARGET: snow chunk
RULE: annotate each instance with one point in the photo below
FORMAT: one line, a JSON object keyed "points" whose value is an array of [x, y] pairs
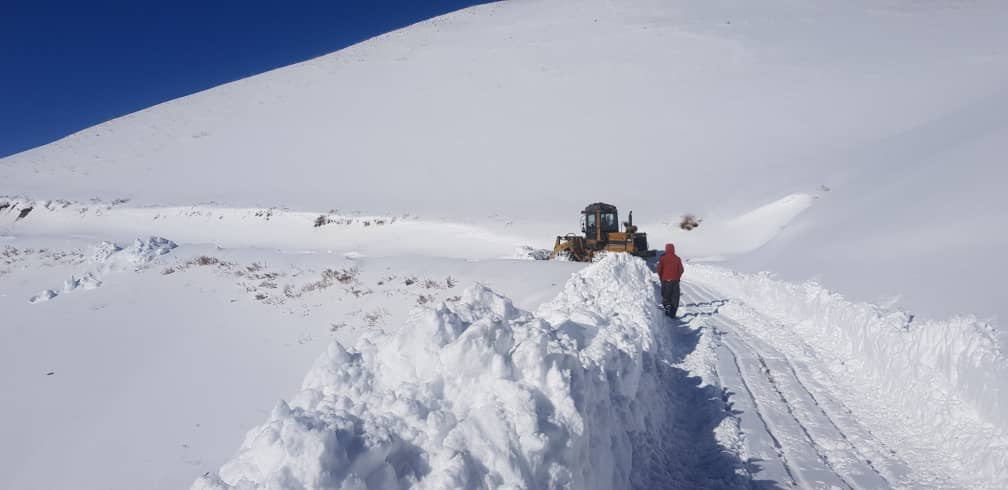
{"points": [[528, 252], [100, 253], [46, 295], [144, 251], [89, 281], [474, 393]]}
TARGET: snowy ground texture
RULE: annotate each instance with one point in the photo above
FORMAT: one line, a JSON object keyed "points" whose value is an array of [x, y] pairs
{"points": [[167, 276]]}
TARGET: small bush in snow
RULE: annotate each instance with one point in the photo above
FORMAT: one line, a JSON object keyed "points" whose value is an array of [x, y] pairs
{"points": [[689, 222], [342, 276], [204, 260]]}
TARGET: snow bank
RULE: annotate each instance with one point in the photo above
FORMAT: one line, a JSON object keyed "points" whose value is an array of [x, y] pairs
{"points": [[264, 227], [474, 393], [950, 376]]}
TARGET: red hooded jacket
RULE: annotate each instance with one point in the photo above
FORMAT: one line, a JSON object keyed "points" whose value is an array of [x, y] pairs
{"points": [[670, 266]]}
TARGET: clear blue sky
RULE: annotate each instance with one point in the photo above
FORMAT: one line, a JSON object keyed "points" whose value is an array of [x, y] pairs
{"points": [[68, 65]]}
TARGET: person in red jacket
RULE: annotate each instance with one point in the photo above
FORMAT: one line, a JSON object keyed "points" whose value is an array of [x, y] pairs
{"points": [[670, 271]]}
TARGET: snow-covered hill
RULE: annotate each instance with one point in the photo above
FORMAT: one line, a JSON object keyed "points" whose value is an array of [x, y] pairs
{"points": [[532, 108], [165, 277]]}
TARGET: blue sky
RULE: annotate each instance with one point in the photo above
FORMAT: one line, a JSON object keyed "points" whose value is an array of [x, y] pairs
{"points": [[65, 66]]}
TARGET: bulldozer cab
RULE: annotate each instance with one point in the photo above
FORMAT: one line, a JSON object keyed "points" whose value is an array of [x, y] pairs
{"points": [[598, 220]]}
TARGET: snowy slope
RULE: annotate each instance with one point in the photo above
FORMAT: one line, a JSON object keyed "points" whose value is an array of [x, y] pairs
{"points": [[856, 143], [532, 109]]}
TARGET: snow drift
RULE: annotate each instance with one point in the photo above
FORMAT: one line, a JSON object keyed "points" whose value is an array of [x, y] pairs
{"points": [[949, 377], [475, 393]]}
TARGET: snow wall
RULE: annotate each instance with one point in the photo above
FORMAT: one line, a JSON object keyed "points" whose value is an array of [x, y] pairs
{"points": [[949, 376], [477, 393]]}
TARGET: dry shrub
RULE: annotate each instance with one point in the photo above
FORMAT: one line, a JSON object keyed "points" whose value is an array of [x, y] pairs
{"points": [[203, 260], [689, 222], [357, 293], [342, 276]]}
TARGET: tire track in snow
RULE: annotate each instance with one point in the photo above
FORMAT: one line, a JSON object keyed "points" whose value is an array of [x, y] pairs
{"points": [[870, 455], [775, 464], [764, 458], [812, 444], [836, 451]]}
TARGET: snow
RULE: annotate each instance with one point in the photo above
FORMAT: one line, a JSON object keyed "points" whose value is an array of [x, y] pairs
{"points": [[196, 348], [531, 109], [167, 276], [942, 382], [478, 393], [470, 393]]}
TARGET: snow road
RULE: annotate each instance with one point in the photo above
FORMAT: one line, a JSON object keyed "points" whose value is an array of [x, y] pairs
{"points": [[799, 425], [789, 435]]}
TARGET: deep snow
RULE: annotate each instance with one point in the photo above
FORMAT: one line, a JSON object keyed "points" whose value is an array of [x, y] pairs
{"points": [[793, 386], [157, 375], [476, 393]]}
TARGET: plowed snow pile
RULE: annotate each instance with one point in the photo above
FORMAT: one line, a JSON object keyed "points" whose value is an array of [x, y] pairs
{"points": [[475, 393]]}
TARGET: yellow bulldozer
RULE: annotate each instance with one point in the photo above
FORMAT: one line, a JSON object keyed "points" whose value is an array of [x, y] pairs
{"points": [[600, 225]]}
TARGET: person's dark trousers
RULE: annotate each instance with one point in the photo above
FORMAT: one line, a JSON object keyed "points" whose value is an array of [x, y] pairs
{"points": [[670, 297]]}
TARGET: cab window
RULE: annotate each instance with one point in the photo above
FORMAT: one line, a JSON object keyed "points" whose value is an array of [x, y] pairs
{"points": [[609, 222]]}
